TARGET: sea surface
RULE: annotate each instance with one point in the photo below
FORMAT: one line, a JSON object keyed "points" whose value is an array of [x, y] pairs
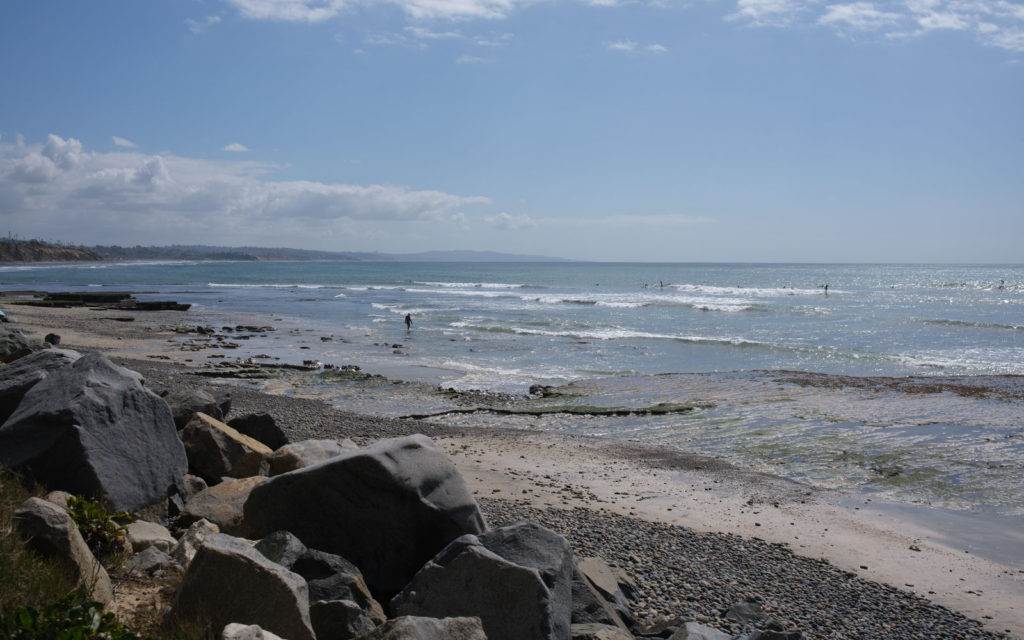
{"points": [[768, 369]]}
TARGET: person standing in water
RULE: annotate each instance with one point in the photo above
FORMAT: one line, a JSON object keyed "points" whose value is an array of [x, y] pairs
{"points": [[408, 322]]}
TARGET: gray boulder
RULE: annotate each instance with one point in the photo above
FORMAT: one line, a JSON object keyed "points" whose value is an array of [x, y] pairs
{"points": [[330, 577], [222, 504], [262, 427], [696, 631], [52, 533], [415, 628], [597, 631], [91, 428], [143, 534], [22, 374], [215, 450], [188, 545], [517, 580], [186, 403], [388, 508], [150, 562], [589, 606], [340, 619], [235, 631], [614, 587], [306, 453], [13, 344], [229, 581]]}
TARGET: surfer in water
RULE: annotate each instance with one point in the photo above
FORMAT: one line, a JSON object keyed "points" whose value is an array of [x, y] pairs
{"points": [[408, 322]]}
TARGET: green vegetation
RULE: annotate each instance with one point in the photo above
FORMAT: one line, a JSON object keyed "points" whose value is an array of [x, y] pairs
{"points": [[99, 527], [66, 619]]}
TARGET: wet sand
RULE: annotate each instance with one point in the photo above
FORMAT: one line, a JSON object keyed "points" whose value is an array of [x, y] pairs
{"points": [[924, 551]]}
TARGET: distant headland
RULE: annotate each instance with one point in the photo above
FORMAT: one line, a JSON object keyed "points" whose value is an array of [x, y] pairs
{"points": [[13, 249]]}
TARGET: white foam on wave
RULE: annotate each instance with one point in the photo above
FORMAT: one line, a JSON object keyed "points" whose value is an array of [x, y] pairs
{"points": [[472, 285], [615, 333], [266, 285], [758, 292]]}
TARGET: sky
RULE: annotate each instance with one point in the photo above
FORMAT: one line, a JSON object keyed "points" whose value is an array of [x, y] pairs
{"points": [[642, 130]]}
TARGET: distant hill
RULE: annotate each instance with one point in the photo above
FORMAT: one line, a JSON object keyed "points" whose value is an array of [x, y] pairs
{"points": [[14, 250]]}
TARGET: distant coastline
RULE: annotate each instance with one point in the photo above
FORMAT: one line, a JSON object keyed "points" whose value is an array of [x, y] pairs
{"points": [[14, 250]]}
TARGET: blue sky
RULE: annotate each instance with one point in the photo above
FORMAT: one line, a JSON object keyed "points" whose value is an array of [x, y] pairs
{"points": [[707, 130]]}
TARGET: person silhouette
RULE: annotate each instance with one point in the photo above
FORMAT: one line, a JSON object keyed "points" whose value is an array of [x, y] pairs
{"points": [[408, 322]]}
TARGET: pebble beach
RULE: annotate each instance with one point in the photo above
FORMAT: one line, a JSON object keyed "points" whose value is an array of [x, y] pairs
{"points": [[694, 533]]}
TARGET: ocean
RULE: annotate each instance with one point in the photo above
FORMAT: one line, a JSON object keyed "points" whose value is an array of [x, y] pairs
{"points": [[778, 373]]}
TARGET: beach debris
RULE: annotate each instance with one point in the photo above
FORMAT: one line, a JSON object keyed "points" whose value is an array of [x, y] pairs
{"points": [[517, 579]]}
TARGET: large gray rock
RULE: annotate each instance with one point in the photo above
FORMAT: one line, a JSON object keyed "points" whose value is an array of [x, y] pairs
{"points": [[614, 587], [52, 533], [415, 628], [143, 534], [222, 504], [589, 606], [229, 581], [23, 374], [91, 428], [388, 508], [517, 580], [186, 403], [215, 450], [262, 427], [306, 453]]}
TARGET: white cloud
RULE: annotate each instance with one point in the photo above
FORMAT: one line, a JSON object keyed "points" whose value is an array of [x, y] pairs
{"points": [[657, 48], [123, 142], [471, 60], [235, 147], [289, 10], [58, 189], [511, 221], [622, 45], [858, 15], [767, 13], [199, 26]]}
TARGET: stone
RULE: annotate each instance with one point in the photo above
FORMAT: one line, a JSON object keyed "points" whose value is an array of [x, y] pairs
{"points": [[235, 631], [306, 453], [22, 374], [188, 488], [260, 426], [59, 498], [51, 532], [387, 508], [596, 631], [143, 534], [610, 584], [149, 562], [92, 428], [516, 579], [186, 403], [417, 628], [185, 550], [329, 576], [229, 581], [696, 631], [215, 450], [223, 398], [340, 619], [222, 504], [13, 344], [52, 338], [747, 612], [589, 606]]}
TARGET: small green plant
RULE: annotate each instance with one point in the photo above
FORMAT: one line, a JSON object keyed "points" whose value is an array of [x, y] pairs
{"points": [[66, 619], [99, 527]]}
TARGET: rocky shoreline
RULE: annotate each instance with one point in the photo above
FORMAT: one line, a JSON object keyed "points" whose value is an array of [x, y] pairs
{"points": [[680, 574]]}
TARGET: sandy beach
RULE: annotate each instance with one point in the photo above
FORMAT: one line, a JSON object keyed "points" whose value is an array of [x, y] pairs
{"points": [[940, 556]]}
